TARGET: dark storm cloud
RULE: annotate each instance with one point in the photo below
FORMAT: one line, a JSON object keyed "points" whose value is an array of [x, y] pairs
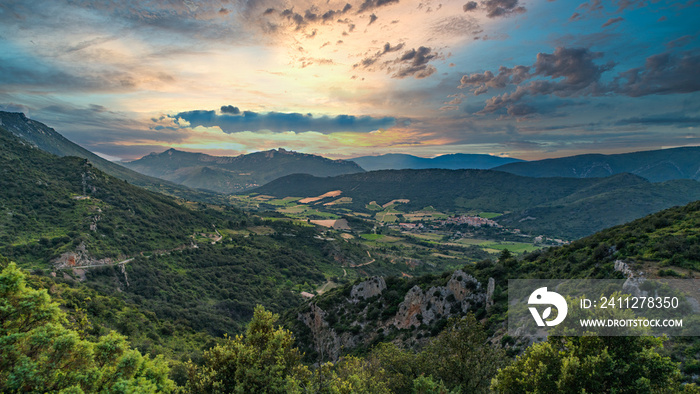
{"points": [[230, 109], [613, 20], [281, 122]]}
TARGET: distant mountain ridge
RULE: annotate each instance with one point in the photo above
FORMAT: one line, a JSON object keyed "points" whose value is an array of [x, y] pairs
{"points": [[49, 140], [229, 174], [655, 165], [568, 207], [455, 161]]}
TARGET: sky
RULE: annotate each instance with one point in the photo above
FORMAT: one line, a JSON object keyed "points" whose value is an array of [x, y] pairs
{"points": [[529, 79]]}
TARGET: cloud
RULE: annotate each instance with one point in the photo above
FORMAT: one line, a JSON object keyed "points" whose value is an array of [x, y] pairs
{"points": [[470, 6], [629, 4], [230, 109], [680, 41], [369, 5], [312, 15], [592, 6], [668, 119], [370, 60], [495, 8], [505, 76], [663, 73], [574, 72], [566, 72], [14, 107], [576, 16], [282, 122], [413, 62], [457, 26], [613, 20], [498, 8]]}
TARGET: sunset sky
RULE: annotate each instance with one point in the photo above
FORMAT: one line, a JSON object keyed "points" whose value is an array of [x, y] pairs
{"points": [[528, 79]]}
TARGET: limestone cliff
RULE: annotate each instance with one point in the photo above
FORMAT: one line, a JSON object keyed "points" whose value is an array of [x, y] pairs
{"points": [[370, 310]]}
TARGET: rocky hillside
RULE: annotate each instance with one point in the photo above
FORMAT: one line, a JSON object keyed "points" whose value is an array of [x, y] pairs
{"points": [[378, 310]]}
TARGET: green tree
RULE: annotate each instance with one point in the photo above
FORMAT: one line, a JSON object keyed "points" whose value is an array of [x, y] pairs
{"points": [[261, 361], [462, 357], [591, 364], [39, 354]]}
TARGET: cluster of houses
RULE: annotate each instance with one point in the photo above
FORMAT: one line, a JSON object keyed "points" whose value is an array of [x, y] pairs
{"points": [[474, 221]]}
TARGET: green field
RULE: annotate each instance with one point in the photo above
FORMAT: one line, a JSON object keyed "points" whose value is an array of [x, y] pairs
{"points": [[489, 215], [514, 247], [372, 237]]}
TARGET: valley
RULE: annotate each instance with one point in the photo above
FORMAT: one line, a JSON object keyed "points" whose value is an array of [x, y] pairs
{"points": [[353, 264]]}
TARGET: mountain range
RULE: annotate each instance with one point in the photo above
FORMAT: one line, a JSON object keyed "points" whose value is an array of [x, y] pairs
{"points": [[229, 174], [173, 277], [654, 165], [456, 161]]}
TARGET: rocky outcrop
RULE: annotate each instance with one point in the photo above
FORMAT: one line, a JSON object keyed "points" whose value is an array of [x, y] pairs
{"points": [[624, 268], [367, 289], [327, 343], [461, 293], [489, 292], [633, 282], [361, 316], [79, 258]]}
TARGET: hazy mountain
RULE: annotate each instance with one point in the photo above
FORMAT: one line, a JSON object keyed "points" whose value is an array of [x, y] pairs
{"points": [[236, 173], [568, 207], [655, 165], [457, 161], [47, 139]]}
